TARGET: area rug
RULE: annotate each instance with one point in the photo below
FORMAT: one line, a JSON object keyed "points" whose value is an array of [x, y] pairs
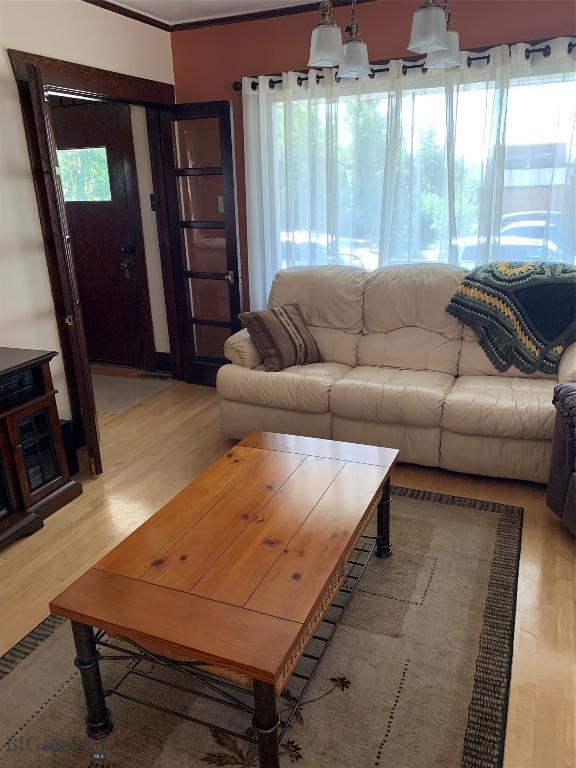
{"points": [[114, 394], [417, 675]]}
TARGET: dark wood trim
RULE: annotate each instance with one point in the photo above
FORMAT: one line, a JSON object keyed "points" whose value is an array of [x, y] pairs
{"points": [[123, 11], [59, 498], [230, 206], [271, 13], [18, 524], [165, 237], [64, 263], [163, 362], [80, 80], [202, 225], [146, 342], [50, 250]]}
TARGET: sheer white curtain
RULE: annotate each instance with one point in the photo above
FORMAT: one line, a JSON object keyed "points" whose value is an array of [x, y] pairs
{"points": [[463, 166]]}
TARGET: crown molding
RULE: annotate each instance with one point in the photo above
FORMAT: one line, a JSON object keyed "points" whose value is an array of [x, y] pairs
{"points": [[216, 21]]}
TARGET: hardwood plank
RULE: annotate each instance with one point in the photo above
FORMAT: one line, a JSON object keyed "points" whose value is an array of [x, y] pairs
{"points": [[192, 627], [235, 576], [135, 555], [293, 585], [184, 564], [328, 449]]}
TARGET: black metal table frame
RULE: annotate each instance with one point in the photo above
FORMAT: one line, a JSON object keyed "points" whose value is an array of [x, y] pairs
{"points": [[267, 727]]}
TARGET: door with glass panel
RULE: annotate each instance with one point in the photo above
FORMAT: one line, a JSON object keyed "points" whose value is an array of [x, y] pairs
{"points": [[201, 202]]}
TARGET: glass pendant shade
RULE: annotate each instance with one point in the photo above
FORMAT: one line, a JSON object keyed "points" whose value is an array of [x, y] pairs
{"points": [[355, 62], [448, 58], [326, 47], [429, 31]]}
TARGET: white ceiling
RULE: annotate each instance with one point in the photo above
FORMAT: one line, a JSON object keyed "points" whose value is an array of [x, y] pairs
{"points": [[179, 11]]}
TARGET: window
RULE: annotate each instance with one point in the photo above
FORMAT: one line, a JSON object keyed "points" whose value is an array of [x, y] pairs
{"points": [[84, 174], [464, 167]]}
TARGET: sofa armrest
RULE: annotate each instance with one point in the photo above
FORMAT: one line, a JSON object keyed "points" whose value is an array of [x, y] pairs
{"points": [[567, 367], [240, 350]]}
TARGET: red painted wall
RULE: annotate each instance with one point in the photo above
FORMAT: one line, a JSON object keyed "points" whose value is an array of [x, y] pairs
{"points": [[208, 60]]}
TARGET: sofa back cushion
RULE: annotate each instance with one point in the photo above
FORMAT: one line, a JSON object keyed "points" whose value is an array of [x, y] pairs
{"points": [[405, 320], [331, 302]]}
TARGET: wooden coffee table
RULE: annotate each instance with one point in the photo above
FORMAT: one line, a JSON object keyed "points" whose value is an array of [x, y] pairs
{"points": [[232, 577]]}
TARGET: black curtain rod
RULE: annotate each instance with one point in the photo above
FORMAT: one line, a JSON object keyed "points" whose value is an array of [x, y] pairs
{"points": [[545, 50]]}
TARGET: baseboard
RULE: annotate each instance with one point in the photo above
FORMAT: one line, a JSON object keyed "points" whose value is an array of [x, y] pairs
{"points": [[163, 361]]}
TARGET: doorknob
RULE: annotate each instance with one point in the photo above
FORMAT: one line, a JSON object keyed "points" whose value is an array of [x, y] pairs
{"points": [[125, 265]]}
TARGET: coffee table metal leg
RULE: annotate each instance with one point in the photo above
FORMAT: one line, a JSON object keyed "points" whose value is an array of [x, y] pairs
{"points": [[266, 723], [383, 546], [99, 720]]}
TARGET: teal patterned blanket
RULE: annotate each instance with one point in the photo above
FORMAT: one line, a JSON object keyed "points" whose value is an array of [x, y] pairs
{"points": [[524, 314]]}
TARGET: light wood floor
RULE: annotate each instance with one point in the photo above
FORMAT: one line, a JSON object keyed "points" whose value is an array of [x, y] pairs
{"points": [[152, 450]]}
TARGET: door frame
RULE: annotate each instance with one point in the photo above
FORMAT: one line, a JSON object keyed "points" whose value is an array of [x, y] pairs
{"points": [[78, 80]]}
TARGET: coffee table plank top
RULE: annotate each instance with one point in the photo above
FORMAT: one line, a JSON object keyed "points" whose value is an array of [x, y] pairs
{"points": [[216, 631], [317, 446], [292, 586], [242, 567], [232, 570]]}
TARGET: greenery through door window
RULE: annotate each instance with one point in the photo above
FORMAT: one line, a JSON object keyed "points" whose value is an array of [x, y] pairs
{"points": [[84, 175]]}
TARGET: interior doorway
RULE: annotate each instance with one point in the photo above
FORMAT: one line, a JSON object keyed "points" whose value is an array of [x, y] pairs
{"points": [[97, 163], [190, 274]]}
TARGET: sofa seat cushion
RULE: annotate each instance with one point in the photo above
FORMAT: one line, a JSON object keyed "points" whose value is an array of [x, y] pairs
{"points": [[391, 396], [500, 406], [303, 388]]}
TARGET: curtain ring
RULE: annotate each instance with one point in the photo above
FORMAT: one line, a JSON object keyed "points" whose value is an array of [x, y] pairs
{"points": [[271, 84], [372, 74], [318, 78], [299, 80], [571, 47], [254, 85]]}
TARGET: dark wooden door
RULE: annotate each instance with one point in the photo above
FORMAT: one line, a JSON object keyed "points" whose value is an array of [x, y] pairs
{"points": [[198, 166], [70, 297], [98, 173]]}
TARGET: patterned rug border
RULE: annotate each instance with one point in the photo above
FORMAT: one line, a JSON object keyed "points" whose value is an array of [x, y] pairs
{"points": [[487, 716], [23, 648], [485, 735]]}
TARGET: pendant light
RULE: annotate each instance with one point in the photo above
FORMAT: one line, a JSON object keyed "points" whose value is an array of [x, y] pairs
{"points": [[326, 46], [356, 61], [429, 32], [451, 56]]}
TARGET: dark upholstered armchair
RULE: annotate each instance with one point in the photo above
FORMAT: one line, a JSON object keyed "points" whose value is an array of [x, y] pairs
{"points": [[561, 497]]}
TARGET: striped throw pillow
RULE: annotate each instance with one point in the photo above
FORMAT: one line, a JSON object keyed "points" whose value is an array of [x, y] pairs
{"points": [[281, 337]]}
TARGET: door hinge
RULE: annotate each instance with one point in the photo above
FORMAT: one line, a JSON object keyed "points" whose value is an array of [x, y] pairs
{"points": [[152, 201], [69, 320], [230, 277]]}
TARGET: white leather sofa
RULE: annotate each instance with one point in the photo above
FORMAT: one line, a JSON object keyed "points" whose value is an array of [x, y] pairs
{"points": [[399, 371]]}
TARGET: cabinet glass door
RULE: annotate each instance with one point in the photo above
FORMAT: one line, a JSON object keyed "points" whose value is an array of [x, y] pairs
{"points": [[37, 449], [36, 454]]}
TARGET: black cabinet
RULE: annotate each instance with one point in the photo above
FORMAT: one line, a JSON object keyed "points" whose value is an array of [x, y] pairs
{"points": [[34, 479]]}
